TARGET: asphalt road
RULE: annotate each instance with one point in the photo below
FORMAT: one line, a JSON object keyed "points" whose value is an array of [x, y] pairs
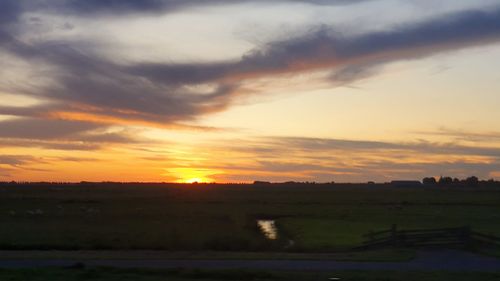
{"points": [[448, 260]]}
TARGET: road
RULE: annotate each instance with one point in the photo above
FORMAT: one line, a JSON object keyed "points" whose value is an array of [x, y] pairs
{"points": [[448, 260]]}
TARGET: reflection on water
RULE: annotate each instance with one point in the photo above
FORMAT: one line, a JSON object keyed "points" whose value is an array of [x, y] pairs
{"points": [[268, 228]]}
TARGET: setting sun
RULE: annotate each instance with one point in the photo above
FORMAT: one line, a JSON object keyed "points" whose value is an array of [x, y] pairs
{"points": [[192, 175], [195, 180]]}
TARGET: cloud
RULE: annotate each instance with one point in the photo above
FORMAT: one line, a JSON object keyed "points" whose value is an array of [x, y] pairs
{"points": [[461, 135], [315, 159], [76, 159], [96, 87], [349, 58], [162, 6], [10, 163], [13, 163], [10, 10], [326, 49], [353, 73], [17, 160], [424, 147], [89, 89], [44, 144], [62, 134], [42, 129]]}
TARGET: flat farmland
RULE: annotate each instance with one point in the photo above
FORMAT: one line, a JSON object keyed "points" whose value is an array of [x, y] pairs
{"points": [[207, 217]]}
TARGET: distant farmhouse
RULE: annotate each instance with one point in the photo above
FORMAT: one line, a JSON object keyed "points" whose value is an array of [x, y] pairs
{"points": [[406, 183]]}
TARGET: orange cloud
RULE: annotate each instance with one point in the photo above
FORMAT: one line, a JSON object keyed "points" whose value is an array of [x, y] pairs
{"points": [[112, 120]]}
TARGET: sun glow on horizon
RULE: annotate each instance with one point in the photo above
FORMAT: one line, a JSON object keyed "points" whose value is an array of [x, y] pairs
{"points": [[192, 175], [195, 180]]}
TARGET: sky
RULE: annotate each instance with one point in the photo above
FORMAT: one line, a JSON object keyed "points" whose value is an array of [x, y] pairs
{"points": [[238, 91]]}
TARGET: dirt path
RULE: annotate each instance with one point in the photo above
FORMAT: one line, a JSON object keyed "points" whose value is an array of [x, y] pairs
{"points": [[448, 260]]}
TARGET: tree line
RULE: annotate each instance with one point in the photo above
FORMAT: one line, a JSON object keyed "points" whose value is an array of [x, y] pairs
{"points": [[472, 181]]}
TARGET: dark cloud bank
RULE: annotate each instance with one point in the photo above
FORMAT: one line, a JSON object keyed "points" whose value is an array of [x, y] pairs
{"points": [[140, 6]]}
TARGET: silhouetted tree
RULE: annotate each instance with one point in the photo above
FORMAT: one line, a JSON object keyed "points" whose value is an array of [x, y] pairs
{"points": [[445, 180], [429, 181], [472, 181]]}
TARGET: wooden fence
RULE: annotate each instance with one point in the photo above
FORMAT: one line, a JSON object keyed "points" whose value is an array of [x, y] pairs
{"points": [[394, 237]]}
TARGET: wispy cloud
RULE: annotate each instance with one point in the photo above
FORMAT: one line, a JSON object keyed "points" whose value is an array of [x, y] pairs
{"points": [[62, 134], [461, 135], [17, 160], [147, 6], [49, 145], [42, 129], [324, 49], [309, 159]]}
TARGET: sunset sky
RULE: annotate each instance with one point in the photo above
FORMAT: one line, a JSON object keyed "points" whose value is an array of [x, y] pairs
{"points": [[237, 91]]}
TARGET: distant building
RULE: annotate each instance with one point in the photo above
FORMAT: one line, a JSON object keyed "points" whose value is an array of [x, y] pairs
{"points": [[406, 183], [261, 182]]}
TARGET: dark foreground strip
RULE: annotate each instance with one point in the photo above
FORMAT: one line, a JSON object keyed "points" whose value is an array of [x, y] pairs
{"points": [[426, 261]]}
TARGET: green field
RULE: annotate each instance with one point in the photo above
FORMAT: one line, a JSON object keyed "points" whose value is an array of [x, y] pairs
{"points": [[317, 218], [108, 274]]}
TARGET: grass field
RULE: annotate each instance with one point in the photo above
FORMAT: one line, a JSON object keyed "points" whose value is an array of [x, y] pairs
{"points": [[318, 218], [100, 274]]}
